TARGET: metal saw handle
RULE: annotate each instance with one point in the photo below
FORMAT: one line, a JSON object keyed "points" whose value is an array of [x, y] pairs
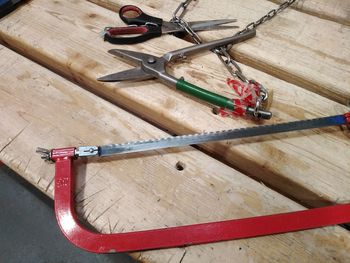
{"points": [[175, 236]]}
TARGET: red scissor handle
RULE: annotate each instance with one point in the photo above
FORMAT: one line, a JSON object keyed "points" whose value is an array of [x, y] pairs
{"points": [[176, 236], [132, 15], [129, 30], [143, 27], [131, 34]]}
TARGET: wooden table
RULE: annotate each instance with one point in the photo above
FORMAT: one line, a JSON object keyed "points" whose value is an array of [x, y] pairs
{"points": [[51, 55]]}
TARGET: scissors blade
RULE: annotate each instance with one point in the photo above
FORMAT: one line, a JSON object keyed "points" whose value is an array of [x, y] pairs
{"points": [[180, 53], [171, 27], [136, 57], [130, 74], [208, 24], [211, 28]]}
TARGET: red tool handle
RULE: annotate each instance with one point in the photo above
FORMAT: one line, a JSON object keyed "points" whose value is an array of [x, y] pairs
{"points": [[131, 34], [127, 30], [147, 27], [133, 15], [176, 236]]}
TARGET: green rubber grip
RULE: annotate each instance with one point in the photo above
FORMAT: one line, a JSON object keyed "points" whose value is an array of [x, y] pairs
{"points": [[205, 95]]}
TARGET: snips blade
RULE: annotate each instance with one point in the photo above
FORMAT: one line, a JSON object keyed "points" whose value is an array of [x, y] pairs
{"points": [[133, 56], [130, 74]]}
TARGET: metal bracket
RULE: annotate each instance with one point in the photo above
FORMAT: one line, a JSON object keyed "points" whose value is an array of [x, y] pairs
{"points": [[86, 151], [175, 236]]}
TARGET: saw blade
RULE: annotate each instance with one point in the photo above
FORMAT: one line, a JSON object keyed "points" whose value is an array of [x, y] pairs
{"points": [[192, 139]]}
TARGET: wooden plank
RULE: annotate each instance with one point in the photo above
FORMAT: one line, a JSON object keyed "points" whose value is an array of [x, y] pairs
{"points": [[40, 108], [311, 166], [285, 47], [335, 10]]}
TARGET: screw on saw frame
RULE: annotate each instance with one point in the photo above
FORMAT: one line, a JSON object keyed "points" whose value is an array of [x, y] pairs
{"points": [[45, 153]]}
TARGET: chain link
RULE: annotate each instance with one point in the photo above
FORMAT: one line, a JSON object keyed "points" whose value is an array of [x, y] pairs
{"points": [[182, 7], [272, 13], [223, 52], [180, 21]]}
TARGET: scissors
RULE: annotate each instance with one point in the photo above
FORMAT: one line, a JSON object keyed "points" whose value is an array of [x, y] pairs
{"points": [[142, 27]]}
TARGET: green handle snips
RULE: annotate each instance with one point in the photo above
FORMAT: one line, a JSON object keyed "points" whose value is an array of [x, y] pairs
{"points": [[218, 100], [205, 95]]}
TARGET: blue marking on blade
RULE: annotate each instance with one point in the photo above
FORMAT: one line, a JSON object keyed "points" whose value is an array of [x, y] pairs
{"points": [[337, 120]]}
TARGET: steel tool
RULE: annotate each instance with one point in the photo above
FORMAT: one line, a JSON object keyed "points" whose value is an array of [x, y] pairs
{"points": [[149, 66], [190, 234], [143, 27]]}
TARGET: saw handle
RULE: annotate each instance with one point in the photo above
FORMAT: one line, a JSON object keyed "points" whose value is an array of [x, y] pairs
{"points": [[175, 236]]}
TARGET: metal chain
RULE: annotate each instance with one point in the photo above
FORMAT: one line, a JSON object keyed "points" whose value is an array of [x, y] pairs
{"points": [[179, 20], [182, 7], [223, 52], [272, 13]]}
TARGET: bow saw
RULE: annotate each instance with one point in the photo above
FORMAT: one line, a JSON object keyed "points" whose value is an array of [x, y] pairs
{"points": [[190, 234]]}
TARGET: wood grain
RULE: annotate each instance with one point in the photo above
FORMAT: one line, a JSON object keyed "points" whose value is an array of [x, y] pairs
{"points": [[43, 109], [311, 166], [291, 46], [335, 10]]}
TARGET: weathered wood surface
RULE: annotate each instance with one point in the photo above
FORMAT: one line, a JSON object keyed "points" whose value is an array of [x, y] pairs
{"points": [[47, 110], [335, 10], [291, 46], [311, 166]]}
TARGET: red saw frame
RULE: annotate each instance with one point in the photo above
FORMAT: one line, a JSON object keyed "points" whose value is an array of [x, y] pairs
{"points": [[176, 236]]}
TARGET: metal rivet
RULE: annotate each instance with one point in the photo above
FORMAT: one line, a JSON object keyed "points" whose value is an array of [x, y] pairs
{"points": [[151, 60]]}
